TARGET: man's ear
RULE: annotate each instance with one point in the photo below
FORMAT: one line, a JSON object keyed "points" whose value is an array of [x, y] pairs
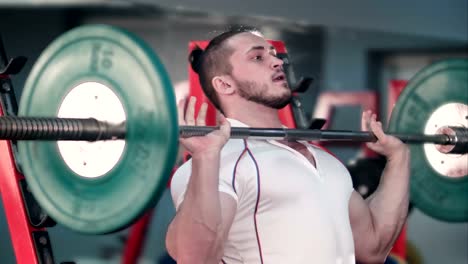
{"points": [[223, 84]]}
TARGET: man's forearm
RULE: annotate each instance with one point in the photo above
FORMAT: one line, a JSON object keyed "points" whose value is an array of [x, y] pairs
{"points": [[199, 218], [389, 204]]}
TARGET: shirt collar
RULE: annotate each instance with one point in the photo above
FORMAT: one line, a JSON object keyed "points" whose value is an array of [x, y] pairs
{"points": [[237, 123]]}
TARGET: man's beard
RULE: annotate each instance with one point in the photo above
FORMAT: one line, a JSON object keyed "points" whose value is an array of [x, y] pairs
{"points": [[251, 91]]}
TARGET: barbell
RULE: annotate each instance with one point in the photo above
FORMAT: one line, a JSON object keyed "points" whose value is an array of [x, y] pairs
{"points": [[91, 129], [98, 133]]}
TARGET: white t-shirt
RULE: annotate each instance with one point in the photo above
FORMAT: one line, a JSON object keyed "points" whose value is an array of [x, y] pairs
{"points": [[288, 211]]}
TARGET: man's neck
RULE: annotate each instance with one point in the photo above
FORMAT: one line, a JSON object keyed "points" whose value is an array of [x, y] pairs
{"points": [[255, 115]]}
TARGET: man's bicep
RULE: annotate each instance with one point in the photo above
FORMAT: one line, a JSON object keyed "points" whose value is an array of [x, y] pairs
{"points": [[361, 223], [228, 211], [228, 206], [359, 214], [358, 209]]}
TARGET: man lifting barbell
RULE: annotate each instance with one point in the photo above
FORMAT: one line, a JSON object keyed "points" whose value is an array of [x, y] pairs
{"points": [[267, 201], [303, 210]]}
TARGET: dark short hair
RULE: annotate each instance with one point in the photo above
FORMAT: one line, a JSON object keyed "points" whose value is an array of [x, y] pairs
{"points": [[213, 61]]}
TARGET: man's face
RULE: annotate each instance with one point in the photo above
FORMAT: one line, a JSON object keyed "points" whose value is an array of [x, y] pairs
{"points": [[257, 72]]}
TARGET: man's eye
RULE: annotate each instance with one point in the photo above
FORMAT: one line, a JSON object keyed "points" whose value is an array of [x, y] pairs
{"points": [[258, 58]]}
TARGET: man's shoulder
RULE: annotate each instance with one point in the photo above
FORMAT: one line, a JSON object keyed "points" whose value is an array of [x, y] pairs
{"points": [[232, 148], [233, 145]]}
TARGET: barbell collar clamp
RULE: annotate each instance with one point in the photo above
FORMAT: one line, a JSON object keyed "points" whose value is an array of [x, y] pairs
{"points": [[459, 138]]}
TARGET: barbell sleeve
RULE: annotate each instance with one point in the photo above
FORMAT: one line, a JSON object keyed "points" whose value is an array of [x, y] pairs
{"points": [[44, 128]]}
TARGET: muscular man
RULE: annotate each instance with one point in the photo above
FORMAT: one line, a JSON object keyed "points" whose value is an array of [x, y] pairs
{"points": [[269, 201]]}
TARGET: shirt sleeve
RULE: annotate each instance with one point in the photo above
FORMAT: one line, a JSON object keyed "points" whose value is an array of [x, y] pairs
{"points": [[229, 178]]}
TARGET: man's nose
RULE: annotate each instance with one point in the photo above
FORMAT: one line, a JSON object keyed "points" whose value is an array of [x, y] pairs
{"points": [[277, 63]]}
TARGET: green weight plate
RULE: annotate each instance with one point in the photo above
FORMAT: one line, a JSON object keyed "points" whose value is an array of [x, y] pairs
{"points": [[442, 83], [125, 64]]}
